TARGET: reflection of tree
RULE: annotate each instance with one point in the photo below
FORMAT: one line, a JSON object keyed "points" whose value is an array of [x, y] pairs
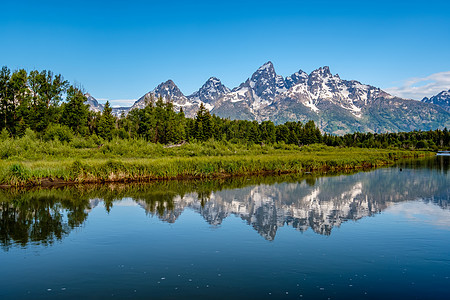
{"points": [[266, 203], [38, 219]]}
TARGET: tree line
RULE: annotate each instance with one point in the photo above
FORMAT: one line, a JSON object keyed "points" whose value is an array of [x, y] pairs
{"points": [[54, 109]]}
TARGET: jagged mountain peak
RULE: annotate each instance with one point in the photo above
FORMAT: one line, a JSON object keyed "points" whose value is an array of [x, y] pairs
{"points": [[210, 91], [266, 84], [93, 103], [268, 66], [169, 84], [321, 72], [297, 77], [212, 82], [213, 79], [326, 70], [266, 70], [168, 90], [338, 106], [442, 99]]}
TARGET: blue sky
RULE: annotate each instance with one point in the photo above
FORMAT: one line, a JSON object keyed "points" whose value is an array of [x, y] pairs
{"points": [[119, 50]]}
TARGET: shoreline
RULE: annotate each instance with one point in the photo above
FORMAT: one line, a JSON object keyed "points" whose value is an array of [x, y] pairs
{"points": [[140, 170]]}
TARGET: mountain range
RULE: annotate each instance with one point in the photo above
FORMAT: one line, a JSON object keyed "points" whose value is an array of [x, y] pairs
{"points": [[442, 99], [336, 105]]}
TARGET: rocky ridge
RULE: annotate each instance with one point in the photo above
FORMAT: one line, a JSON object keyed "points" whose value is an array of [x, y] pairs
{"points": [[442, 99], [337, 106]]}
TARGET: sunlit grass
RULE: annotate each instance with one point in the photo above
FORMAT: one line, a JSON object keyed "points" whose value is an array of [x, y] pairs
{"points": [[29, 162]]}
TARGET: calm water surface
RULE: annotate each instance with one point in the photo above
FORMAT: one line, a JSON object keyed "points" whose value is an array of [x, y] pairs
{"points": [[368, 235]]}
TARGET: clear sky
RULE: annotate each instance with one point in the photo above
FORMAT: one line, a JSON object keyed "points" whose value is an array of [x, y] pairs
{"points": [[119, 50]]}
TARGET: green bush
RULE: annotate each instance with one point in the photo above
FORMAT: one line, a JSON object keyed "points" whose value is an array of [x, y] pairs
{"points": [[4, 135], [58, 132]]}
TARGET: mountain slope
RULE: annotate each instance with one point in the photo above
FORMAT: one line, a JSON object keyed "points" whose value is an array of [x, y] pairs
{"points": [[97, 107], [337, 106], [208, 94], [93, 103], [442, 99]]}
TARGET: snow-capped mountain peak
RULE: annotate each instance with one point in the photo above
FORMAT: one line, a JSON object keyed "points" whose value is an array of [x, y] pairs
{"points": [[168, 91], [212, 90], [338, 106], [260, 89], [442, 99], [93, 103], [297, 77]]}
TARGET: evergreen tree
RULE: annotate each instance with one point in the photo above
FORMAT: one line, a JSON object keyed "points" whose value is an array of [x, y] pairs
{"points": [[75, 112], [5, 75], [267, 131], [106, 123], [203, 124]]}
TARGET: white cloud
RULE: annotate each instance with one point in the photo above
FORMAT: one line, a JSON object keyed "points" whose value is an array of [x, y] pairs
{"points": [[118, 102], [417, 88]]}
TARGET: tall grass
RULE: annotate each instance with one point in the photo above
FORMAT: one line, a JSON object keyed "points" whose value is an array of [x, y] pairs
{"points": [[163, 163]]}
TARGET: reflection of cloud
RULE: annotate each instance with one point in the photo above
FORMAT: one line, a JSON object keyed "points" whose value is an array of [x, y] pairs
{"points": [[126, 202], [419, 211], [417, 88]]}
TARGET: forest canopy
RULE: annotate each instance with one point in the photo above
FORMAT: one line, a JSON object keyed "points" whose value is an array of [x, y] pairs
{"points": [[52, 108]]}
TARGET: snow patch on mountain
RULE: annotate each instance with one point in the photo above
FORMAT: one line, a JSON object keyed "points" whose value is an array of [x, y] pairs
{"points": [[442, 99], [212, 90], [337, 105]]}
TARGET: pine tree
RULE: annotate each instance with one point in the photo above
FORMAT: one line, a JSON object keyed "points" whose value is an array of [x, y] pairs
{"points": [[203, 124], [75, 112], [106, 123]]}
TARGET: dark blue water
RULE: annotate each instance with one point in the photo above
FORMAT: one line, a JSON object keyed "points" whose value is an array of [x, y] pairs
{"points": [[368, 235]]}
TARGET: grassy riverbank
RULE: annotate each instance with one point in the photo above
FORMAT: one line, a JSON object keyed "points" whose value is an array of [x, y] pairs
{"points": [[46, 163]]}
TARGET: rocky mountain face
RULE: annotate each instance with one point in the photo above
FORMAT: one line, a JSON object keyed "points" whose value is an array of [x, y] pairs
{"points": [[93, 103], [337, 106], [97, 107], [209, 93], [442, 99], [168, 91], [212, 90]]}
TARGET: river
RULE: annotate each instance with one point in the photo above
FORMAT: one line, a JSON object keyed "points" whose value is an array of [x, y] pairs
{"points": [[383, 233]]}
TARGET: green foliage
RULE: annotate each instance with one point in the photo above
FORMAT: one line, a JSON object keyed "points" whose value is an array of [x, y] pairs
{"points": [[33, 100], [4, 134], [29, 100], [75, 112], [157, 122], [58, 132], [29, 136], [203, 126], [106, 123], [17, 174]]}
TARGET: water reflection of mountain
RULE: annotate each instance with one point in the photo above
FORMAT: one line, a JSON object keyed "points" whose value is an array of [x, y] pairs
{"points": [[319, 205], [266, 203]]}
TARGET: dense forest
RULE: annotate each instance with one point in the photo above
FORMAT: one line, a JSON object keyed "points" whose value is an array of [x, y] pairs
{"points": [[54, 109]]}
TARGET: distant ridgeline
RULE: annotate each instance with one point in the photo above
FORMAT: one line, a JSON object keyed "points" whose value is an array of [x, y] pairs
{"points": [[336, 105], [55, 110]]}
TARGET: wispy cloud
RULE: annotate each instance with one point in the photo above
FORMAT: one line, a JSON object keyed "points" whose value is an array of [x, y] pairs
{"points": [[118, 102], [417, 88]]}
